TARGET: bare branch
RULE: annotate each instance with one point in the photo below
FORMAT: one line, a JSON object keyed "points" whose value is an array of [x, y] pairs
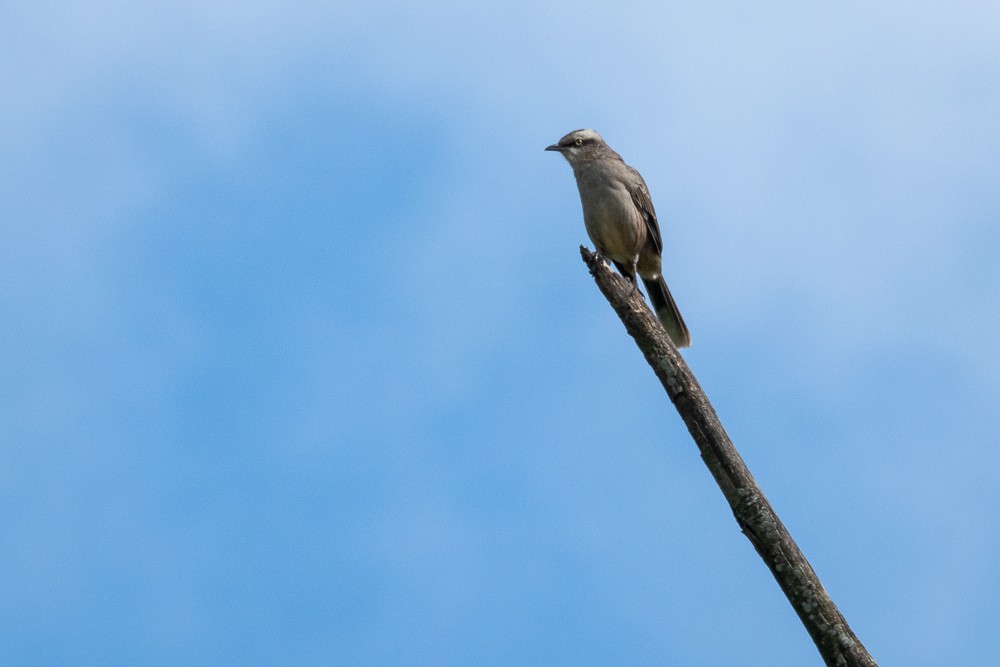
{"points": [[835, 640]]}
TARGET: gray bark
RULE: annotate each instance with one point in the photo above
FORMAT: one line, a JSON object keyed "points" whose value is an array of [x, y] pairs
{"points": [[834, 638]]}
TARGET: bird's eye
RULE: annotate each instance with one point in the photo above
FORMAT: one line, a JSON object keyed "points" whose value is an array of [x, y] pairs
{"points": [[578, 142]]}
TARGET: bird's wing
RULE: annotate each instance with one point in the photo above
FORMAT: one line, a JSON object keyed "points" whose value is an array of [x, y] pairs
{"points": [[642, 200]]}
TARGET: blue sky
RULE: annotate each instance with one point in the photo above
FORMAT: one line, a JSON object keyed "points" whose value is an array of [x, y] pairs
{"points": [[302, 366]]}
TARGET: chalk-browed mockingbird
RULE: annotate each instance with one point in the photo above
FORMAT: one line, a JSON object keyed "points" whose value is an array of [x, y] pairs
{"points": [[621, 221]]}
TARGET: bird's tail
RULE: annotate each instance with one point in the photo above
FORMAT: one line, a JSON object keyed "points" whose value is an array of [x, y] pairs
{"points": [[666, 310]]}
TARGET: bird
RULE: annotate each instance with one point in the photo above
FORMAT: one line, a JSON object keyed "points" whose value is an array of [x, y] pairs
{"points": [[621, 222]]}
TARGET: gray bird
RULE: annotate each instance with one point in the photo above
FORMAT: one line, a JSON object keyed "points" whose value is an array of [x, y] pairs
{"points": [[621, 221]]}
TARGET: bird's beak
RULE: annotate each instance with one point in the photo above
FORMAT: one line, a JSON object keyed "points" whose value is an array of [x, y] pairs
{"points": [[555, 147]]}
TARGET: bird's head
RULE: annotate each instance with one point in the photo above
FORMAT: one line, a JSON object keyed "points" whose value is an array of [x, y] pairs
{"points": [[578, 144]]}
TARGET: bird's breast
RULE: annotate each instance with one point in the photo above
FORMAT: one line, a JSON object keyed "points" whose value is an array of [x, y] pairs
{"points": [[612, 220]]}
